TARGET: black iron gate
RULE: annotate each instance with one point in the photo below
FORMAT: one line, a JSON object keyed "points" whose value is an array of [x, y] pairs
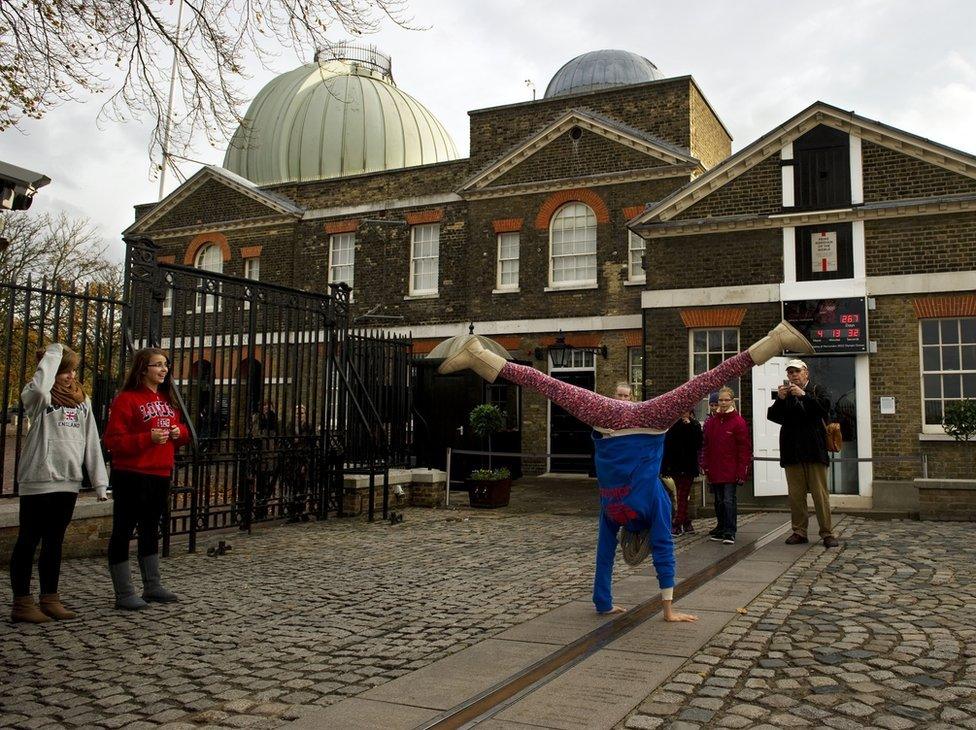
{"points": [[281, 396]]}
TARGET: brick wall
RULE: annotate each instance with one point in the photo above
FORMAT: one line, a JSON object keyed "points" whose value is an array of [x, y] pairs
{"points": [[758, 191], [922, 245], [710, 143], [667, 348], [408, 182], [568, 157], [212, 202], [730, 259], [895, 371], [947, 500], [658, 107], [890, 175], [612, 296]]}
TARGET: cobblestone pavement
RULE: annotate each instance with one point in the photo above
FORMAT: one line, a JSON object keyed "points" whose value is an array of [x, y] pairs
{"points": [[880, 634], [297, 615]]}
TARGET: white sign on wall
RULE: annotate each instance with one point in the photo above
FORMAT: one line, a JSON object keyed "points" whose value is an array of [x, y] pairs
{"points": [[823, 251]]}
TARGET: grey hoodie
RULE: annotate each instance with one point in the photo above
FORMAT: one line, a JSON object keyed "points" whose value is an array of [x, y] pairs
{"points": [[60, 439]]}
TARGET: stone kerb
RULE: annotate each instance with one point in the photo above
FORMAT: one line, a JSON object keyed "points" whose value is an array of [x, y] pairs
{"points": [[421, 487], [87, 534], [947, 499]]}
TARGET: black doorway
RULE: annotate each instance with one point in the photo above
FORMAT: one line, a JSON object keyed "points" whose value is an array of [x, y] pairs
{"points": [[567, 435]]}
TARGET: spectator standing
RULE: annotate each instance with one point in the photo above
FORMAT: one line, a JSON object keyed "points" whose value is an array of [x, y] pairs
{"points": [[682, 450], [143, 433], [62, 439], [801, 409], [726, 457]]}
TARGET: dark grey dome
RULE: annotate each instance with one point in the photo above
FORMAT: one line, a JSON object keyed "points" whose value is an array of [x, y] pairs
{"points": [[600, 70]]}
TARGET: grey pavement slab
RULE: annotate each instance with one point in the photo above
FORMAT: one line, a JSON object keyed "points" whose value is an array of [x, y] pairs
{"points": [[721, 595], [758, 571], [596, 693], [560, 626], [450, 681], [356, 713], [634, 590], [672, 639]]}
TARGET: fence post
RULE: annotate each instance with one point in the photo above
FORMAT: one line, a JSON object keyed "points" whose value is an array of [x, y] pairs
{"points": [[447, 487]]}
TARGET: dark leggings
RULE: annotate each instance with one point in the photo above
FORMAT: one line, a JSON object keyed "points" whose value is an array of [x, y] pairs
{"points": [[140, 500], [43, 519]]}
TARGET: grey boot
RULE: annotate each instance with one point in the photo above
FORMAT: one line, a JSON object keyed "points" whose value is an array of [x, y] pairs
{"points": [[152, 586], [125, 594]]}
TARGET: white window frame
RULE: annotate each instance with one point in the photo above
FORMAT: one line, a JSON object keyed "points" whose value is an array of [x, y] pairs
{"points": [[252, 270], [208, 303], [435, 228], [736, 383], [556, 219], [635, 274], [938, 428], [635, 371], [501, 261], [342, 238]]}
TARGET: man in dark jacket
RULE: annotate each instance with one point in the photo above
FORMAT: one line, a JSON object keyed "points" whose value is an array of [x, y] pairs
{"points": [[801, 409]]}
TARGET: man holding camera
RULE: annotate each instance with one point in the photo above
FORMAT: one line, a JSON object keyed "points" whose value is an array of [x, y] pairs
{"points": [[800, 407]]}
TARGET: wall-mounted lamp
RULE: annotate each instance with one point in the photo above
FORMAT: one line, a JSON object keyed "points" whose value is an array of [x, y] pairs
{"points": [[562, 353]]}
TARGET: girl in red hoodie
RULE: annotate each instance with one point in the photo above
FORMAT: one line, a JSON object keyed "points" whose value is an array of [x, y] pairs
{"points": [[726, 458], [144, 429]]}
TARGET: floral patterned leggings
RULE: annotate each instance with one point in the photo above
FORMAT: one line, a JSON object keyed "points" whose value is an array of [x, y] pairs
{"points": [[658, 413]]}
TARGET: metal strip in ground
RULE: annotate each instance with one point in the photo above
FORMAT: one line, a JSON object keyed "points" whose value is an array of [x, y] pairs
{"points": [[509, 691]]}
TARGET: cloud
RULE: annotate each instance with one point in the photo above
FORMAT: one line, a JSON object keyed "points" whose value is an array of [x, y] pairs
{"points": [[758, 62]]}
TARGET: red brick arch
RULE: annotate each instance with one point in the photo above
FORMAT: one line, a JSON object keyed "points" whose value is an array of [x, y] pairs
{"points": [[198, 242], [579, 195]]}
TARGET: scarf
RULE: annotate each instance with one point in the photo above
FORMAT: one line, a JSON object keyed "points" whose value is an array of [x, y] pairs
{"points": [[70, 397]]}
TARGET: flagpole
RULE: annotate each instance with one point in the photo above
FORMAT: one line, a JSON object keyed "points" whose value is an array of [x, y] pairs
{"points": [[169, 104]]}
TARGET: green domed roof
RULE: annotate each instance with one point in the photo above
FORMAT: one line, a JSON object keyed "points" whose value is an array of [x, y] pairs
{"points": [[332, 118]]}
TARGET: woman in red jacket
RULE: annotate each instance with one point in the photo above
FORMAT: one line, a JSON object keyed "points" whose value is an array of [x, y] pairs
{"points": [[726, 458], [143, 432]]}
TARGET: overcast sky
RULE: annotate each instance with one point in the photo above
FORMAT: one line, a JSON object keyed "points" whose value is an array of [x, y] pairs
{"points": [[908, 64]]}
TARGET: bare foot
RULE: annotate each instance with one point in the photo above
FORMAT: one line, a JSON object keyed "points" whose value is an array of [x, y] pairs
{"points": [[675, 616], [612, 611]]}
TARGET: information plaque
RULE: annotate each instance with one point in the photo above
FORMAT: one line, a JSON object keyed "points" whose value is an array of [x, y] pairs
{"points": [[831, 325]]}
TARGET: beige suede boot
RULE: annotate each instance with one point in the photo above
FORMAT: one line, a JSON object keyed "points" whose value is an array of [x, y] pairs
{"points": [[783, 337], [51, 605], [26, 611], [475, 357]]}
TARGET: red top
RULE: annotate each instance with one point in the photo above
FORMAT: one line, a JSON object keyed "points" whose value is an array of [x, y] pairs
{"points": [[727, 448], [128, 437]]}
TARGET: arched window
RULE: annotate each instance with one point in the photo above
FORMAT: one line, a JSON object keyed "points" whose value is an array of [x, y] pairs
{"points": [[572, 246], [208, 258]]}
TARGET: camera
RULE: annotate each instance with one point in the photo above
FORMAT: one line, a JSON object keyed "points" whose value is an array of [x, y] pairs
{"points": [[18, 185]]}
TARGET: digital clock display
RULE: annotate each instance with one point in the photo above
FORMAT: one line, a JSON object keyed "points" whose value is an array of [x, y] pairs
{"points": [[831, 325]]}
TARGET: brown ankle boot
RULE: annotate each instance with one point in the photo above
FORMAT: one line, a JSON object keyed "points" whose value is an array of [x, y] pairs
{"points": [[26, 611], [51, 605]]}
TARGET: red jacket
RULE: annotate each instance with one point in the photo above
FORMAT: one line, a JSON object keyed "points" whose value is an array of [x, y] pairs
{"points": [[128, 438], [727, 448]]}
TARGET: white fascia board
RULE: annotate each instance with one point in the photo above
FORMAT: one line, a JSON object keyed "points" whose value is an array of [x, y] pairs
{"points": [[347, 211], [752, 294], [921, 283], [524, 326]]}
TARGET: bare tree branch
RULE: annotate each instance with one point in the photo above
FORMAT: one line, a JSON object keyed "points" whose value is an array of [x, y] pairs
{"points": [[54, 51]]}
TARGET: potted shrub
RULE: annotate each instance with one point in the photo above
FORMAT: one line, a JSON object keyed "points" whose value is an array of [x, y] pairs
{"points": [[960, 419], [488, 487]]}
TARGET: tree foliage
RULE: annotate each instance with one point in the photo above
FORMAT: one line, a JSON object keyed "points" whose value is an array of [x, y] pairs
{"points": [[53, 51], [58, 248]]}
